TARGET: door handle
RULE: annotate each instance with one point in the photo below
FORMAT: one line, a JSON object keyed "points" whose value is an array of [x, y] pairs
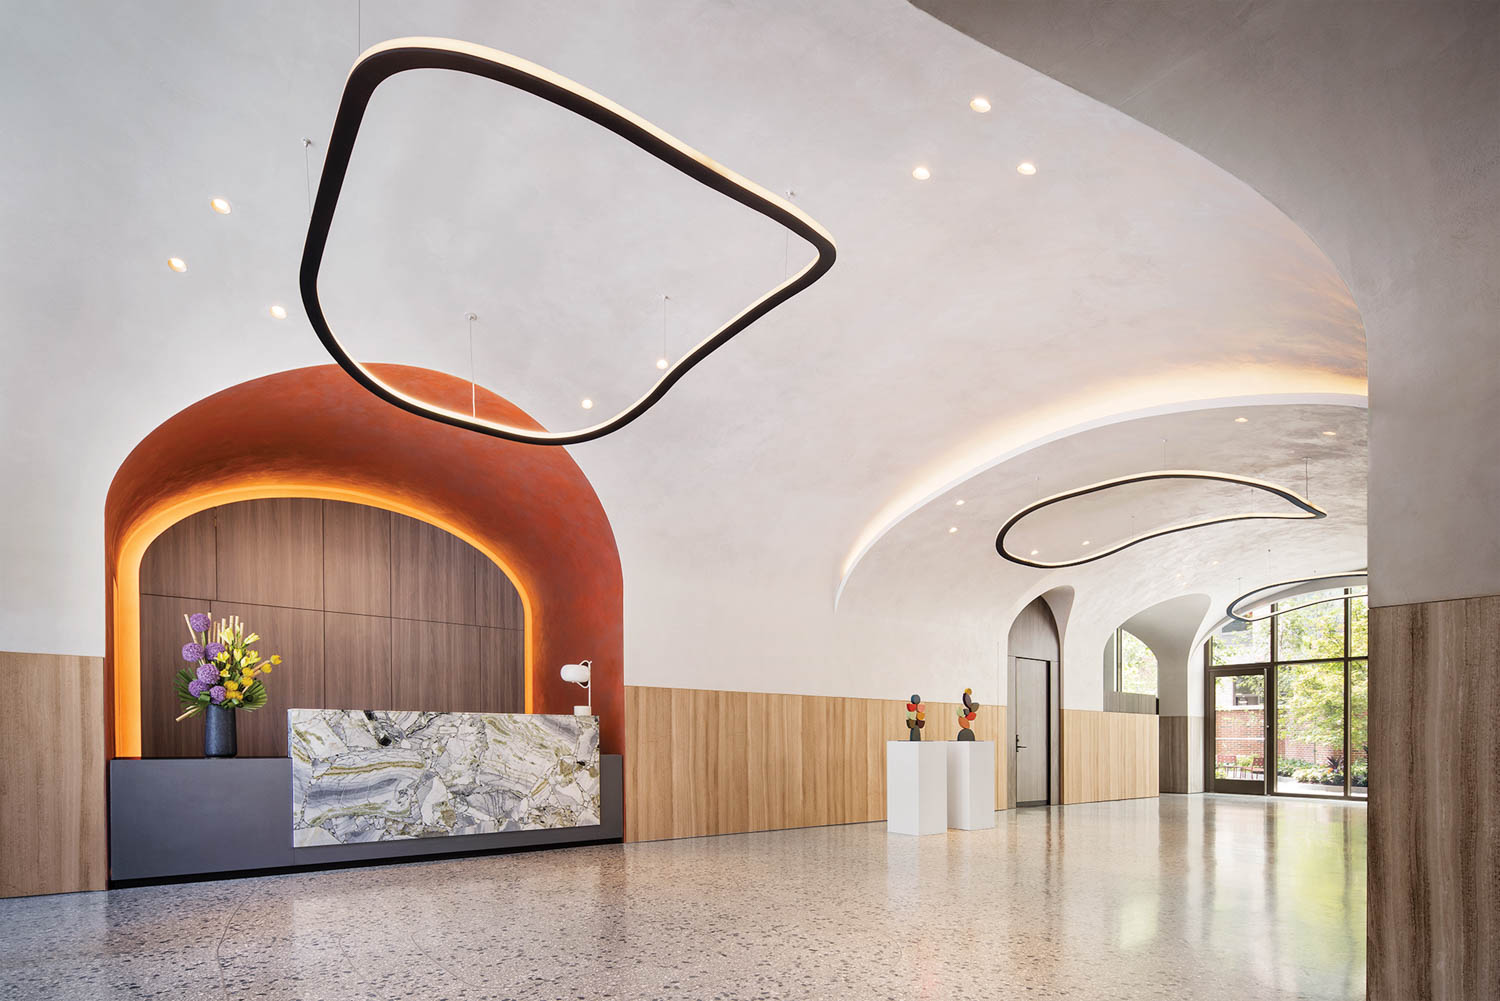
{"points": [[1019, 746]]}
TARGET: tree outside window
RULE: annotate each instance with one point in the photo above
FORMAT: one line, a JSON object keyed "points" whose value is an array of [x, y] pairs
{"points": [[1137, 664]]}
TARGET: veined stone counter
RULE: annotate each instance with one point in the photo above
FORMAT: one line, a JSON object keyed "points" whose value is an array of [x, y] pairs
{"points": [[360, 776], [506, 782]]}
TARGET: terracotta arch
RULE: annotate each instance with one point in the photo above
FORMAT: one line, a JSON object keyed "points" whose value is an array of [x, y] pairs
{"points": [[313, 432]]}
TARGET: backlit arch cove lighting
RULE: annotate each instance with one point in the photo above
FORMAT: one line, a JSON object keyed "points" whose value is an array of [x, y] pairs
{"points": [[399, 55], [1306, 511], [1243, 607]]}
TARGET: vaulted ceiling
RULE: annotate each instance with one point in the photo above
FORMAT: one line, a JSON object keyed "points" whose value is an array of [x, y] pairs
{"points": [[783, 513]]}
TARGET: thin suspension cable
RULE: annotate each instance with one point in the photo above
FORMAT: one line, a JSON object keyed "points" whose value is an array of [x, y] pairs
{"points": [[307, 170], [473, 384]]}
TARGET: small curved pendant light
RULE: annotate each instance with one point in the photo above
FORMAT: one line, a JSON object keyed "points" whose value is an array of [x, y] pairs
{"points": [[1306, 511], [1238, 609], [399, 55]]}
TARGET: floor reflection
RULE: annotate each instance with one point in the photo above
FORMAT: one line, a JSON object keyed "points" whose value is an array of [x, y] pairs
{"points": [[1182, 896]]}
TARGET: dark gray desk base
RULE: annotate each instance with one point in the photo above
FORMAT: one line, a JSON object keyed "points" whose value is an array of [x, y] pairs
{"points": [[174, 817]]}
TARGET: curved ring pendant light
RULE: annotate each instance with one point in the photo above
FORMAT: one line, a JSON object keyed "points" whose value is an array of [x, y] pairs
{"points": [[1235, 611], [1306, 511], [399, 55]]}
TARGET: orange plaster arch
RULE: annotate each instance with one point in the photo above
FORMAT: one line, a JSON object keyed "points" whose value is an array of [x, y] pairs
{"points": [[313, 432]]}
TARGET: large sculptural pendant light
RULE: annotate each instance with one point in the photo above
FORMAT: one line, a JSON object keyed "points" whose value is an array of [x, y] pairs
{"points": [[399, 55]]}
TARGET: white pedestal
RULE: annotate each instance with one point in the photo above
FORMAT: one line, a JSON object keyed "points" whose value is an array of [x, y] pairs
{"points": [[971, 784], [916, 787]]}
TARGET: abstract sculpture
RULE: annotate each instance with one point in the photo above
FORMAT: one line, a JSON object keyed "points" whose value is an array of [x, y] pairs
{"points": [[966, 715], [916, 717]]}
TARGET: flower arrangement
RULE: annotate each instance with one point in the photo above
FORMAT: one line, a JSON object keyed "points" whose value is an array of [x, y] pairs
{"points": [[226, 672]]}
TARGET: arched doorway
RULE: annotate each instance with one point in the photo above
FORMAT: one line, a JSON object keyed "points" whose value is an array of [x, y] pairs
{"points": [[368, 609], [313, 433]]}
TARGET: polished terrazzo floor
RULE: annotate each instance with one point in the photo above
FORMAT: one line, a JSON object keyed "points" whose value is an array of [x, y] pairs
{"points": [[1217, 897]]}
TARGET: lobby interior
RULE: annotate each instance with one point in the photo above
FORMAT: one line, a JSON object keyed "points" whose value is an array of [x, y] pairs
{"points": [[886, 499]]}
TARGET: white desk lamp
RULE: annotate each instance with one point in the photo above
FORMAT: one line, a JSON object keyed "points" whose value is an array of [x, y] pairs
{"points": [[579, 674]]}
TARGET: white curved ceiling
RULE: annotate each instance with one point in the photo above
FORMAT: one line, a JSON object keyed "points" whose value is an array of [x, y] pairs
{"points": [[967, 316], [1375, 127]]}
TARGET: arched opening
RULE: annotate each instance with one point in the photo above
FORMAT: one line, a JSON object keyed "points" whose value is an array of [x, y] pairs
{"points": [[1034, 695], [367, 608], [312, 433]]}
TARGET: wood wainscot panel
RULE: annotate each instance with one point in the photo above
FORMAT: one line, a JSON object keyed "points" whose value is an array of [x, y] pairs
{"points": [[181, 561], [1180, 754], [1108, 756], [497, 601], [502, 665], [297, 635], [710, 762], [357, 665], [270, 552], [52, 717], [163, 634], [356, 559], [423, 654], [433, 574], [1434, 813]]}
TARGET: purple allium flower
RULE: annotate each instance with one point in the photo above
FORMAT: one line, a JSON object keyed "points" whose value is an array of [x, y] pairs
{"points": [[196, 688], [208, 675], [192, 652], [212, 650], [217, 694], [199, 622]]}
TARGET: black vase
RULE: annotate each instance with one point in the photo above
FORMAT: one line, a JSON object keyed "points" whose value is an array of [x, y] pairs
{"points": [[218, 733]]}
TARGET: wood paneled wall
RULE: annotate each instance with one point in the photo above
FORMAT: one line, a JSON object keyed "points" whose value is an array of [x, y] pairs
{"points": [[704, 762], [1181, 740], [1434, 849], [1109, 756], [368, 609], [52, 816]]}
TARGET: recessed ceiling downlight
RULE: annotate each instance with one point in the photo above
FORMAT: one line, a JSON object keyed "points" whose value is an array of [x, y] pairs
{"points": [[278, 312], [220, 206], [661, 363], [980, 104], [921, 173], [953, 529], [177, 264], [586, 403], [1242, 420], [959, 502], [1330, 434], [1026, 167]]}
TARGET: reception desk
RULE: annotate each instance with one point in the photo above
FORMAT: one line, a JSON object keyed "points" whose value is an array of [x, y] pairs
{"points": [[365, 787]]}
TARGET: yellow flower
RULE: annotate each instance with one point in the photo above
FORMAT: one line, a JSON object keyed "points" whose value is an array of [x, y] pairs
{"points": [[266, 669], [224, 673], [252, 637], [223, 655], [276, 658]]}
